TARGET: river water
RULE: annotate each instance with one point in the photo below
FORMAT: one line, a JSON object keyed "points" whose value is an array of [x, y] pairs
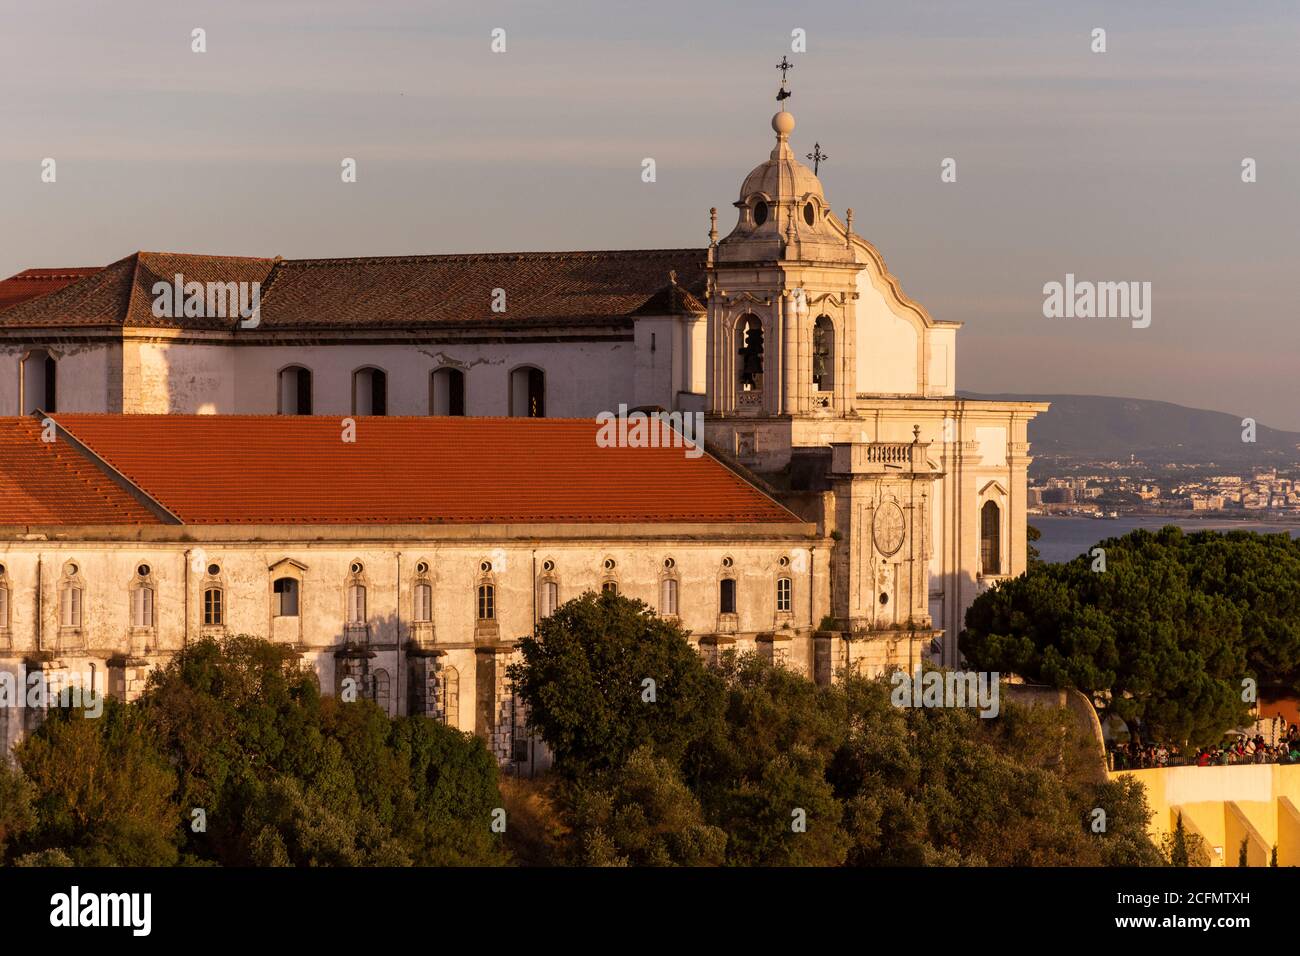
{"points": [[1067, 537]]}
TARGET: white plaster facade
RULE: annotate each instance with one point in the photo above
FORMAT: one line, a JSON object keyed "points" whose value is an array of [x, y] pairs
{"points": [[411, 657], [851, 428]]}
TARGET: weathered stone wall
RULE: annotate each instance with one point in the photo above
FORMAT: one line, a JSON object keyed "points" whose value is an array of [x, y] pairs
{"points": [[244, 563]]}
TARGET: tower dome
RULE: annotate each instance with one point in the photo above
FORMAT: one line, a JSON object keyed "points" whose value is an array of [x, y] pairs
{"points": [[782, 177], [783, 209]]}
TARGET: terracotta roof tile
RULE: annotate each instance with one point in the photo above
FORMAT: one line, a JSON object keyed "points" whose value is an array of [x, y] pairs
{"points": [[34, 283], [51, 483], [237, 469], [396, 292]]}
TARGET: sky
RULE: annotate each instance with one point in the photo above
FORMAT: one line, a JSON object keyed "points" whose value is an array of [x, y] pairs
{"points": [[1117, 166]]}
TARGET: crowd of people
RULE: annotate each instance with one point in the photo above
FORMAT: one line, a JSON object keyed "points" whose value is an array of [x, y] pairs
{"points": [[1234, 750]]}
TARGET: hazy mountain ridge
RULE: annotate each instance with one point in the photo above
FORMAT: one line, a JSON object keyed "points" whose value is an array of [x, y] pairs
{"points": [[1111, 429]]}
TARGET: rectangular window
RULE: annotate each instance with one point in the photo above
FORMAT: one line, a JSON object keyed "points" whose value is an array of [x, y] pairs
{"points": [[424, 602], [610, 587], [212, 609], [783, 595], [286, 597], [486, 599], [142, 607], [70, 607], [727, 596], [550, 598], [668, 597]]}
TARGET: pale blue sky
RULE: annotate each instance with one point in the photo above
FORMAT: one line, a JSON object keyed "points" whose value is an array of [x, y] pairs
{"points": [[1115, 166]]}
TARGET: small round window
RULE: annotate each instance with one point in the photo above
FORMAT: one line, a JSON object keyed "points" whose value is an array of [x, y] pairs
{"points": [[548, 566], [809, 214], [884, 598], [214, 569], [143, 570], [422, 568], [727, 562], [357, 567], [760, 213], [485, 566], [609, 564], [72, 570], [669, 564]]}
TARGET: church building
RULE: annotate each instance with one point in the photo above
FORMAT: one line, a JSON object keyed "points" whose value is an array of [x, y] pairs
{"points": [[839, 459]]}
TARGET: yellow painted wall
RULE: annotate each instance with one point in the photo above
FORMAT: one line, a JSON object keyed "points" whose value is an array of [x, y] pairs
{"points": [[1256, 802]]}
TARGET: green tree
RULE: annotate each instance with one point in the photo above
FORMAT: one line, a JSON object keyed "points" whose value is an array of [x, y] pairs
{"points": [[1181, 848], [605, 675], [1032, 555], [17, 814], [1163, 637], [104, 789], [641, 815]]}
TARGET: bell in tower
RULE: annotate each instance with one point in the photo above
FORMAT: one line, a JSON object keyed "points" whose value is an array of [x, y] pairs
{"points": [[751, 356], [782, 326]]}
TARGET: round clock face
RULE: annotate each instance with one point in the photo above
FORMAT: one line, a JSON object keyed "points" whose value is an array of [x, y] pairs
{"points": [[888, 527]]}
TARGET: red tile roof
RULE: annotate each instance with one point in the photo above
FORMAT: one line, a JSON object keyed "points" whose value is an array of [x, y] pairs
{"points": [[243, 469], [51, 483], [34, 283], [394, 292]]}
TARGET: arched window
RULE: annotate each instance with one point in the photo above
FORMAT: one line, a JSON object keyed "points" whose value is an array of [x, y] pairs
{"points": [[295, 390], [668, 597], [727, 596], [749, 339], [991, 538], [214, 611], [487, 602], [528, 392], [550, 597], [823, 354], [379, 688], [142, 597], [609, 587], [783, 589], [423, 602], [369, 391], [71, 597], [356, 604], [285, 591], [450, 681], [39, 382], [447, 392]]}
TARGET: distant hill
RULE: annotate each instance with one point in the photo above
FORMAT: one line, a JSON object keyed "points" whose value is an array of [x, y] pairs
{"points": [[1090, 427]]}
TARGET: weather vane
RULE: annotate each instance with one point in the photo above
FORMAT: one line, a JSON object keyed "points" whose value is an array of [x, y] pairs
{"points": [[784, 66], [817, 156]]}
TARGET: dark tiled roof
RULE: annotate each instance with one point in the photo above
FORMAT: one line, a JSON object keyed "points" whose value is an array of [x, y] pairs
{"points": [[241, 469], [399, 292], [51, 483], [122, 294], [34, 283]]}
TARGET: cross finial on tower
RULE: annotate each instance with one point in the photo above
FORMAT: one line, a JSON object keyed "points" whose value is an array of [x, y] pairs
{"points": [[817, 156], [784, 66]]}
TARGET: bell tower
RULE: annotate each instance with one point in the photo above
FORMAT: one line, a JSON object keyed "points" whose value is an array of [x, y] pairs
{"points": [[783, 401], [782, 328]]}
